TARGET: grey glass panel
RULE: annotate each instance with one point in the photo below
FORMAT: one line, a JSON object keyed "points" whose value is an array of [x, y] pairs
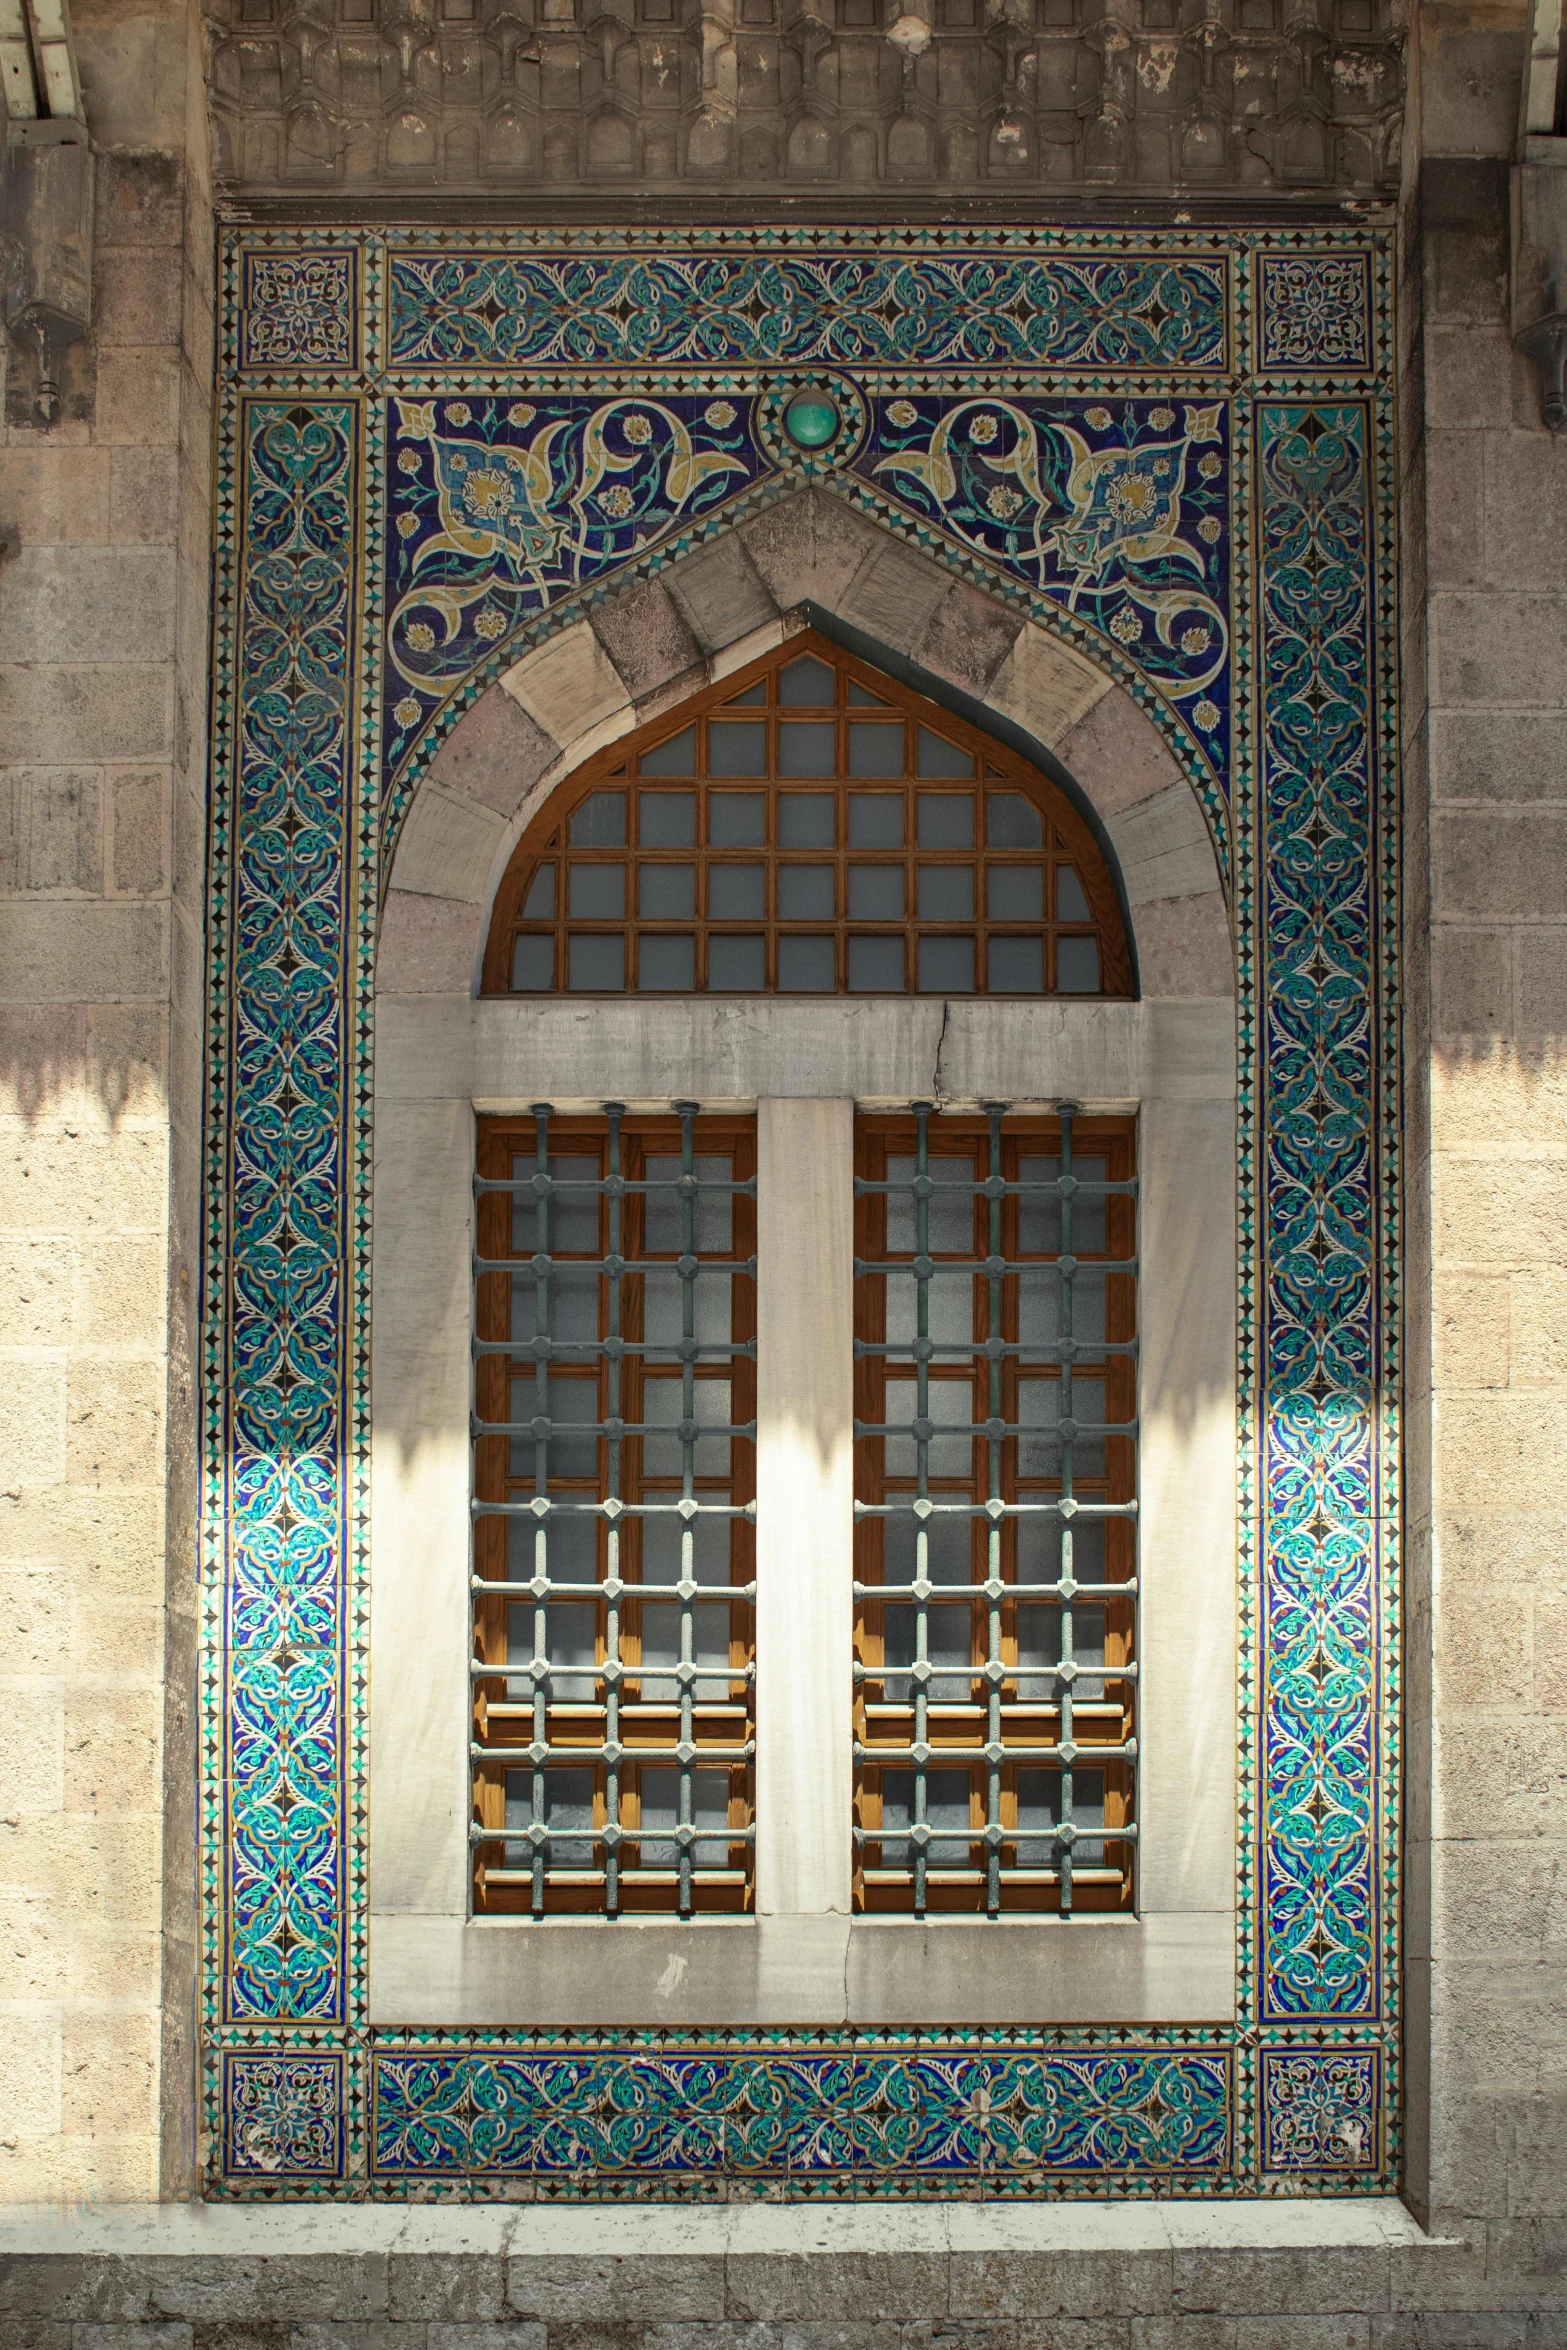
{"points": [[939, 757], [533, 965], [875, 893], [1039, 1219], [736, 965], [1077, 966], [1039, 1550], [598, 892], [661, 1453], [737, 819], [1017, 966], [1071, 903], [713, 1210], [807, 746], [661, 1811], [570, 1543], [875, 749], [737, 893], [876, 820], [806, 819], [876, 966], [666, 892], [663, 1307], [1039, 1812], [949, 1306], [946, 893], [573, 1222], [948, 1641], [573, 1313], [675, 757], [946, 820], [807, 684], [1039, 1410], [666, 819], [539, 904], [661, 1650], [1015, 893], [946, 1807], [1039, 1650], [600, 822], [596, 964], [1012, 822], [946, 966], [805, 966], [951, 1408], [754, 697], [951, 1226], [805, 893], [737, 746], [573, 1409], [709, 1550], [861, 697], [668, 964], [568, 1804], [572, 1627]]}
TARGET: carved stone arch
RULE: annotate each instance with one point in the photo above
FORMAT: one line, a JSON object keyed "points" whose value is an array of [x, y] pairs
{"points": [[808, 559]]}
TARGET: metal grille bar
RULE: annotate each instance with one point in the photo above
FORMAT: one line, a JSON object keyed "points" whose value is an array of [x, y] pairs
{"points": [[995, 1440], [613, 1653]]}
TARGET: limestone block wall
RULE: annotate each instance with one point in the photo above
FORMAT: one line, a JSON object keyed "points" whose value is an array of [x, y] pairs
{"points": [[103, 627]]}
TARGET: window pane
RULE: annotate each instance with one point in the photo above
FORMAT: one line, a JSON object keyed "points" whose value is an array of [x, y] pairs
{"points": [[712, 1207], [1077, 966], [596, 964], [861, 697], [875, 893], [939, 757], [572, 1218], [875, 820], [946, 893], [1071, 905], [946, 820], [805, 893], [533, 965], [675, 757], [876, 966], [737, 746], [600, 822], [539, 904], [806, 819], [753, 697], [737, 819], [668, 964], [666, 819], [666, 892], [737, 966], [807, 684], [946, 966], [598, 892], [875, 749], [805, 966], [663, 1448], [807, 746], [1012, 822], [737, 893], [661, 1812], [1017, 966], [1015, 893]]}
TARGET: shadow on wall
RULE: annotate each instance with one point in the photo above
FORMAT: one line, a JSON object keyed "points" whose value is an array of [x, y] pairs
{"points": [[104, 1063]]}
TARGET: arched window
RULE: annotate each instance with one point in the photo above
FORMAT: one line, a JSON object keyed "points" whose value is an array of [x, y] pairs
{"points": [[809, 827]]}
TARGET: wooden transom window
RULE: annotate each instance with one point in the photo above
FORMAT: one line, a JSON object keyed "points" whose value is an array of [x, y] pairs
{"points": [[995, 1671], [614, 1473], [808, 828]]}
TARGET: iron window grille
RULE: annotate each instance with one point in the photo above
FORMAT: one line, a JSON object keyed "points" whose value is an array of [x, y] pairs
{"points": [[612, 1574], [995, 1671]]}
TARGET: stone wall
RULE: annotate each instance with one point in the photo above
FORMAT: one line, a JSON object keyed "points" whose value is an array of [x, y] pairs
{"points": [[103, 628]]}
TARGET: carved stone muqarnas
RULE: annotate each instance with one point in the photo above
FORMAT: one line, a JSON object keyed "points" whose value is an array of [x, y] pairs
{"points": [[1250, 96]]}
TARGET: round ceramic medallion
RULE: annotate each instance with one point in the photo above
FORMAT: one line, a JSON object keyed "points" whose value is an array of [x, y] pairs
{"points": [[811, 420]]}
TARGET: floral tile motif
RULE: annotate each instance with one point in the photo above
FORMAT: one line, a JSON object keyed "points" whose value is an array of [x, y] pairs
{"points": [[1029, 409], [1319, 2108], [1313, 311], [300, 310]]}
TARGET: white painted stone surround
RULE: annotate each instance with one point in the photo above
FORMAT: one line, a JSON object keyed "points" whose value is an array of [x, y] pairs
{"points": [[443, 1057]]}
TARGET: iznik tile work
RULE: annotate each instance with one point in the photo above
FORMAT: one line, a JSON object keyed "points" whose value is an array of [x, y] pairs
{"points": [[1190, 478]]}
